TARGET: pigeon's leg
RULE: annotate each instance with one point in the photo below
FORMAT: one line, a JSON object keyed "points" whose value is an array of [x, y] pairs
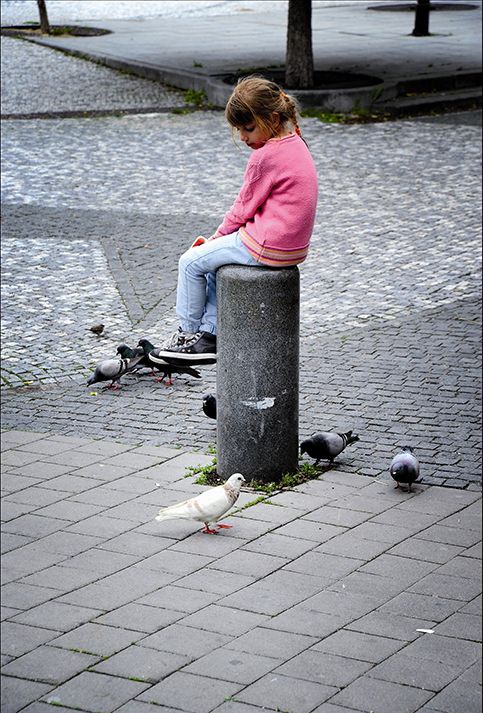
{"points": [[208, 530], [222, 526], [396, 486], [114, 386], [409, 488]]}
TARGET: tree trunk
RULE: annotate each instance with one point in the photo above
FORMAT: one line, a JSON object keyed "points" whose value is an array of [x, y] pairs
{"points": [[44, 18], [421, 20], [299, 63]]}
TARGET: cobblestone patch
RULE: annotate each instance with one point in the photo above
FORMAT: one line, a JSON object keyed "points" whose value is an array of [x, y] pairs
{"points": [[52, 82], [390, 293]]}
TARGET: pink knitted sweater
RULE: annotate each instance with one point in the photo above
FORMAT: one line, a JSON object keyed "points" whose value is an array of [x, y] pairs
{"points": [[275, 208]]}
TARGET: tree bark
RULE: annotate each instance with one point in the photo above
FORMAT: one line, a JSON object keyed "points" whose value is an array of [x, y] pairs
{"points": [[421, 19], [44, 18], [299, 62]]}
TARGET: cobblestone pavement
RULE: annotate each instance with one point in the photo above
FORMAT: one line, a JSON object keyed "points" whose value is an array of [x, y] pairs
{"points": [[390, 293], [54, 83]]}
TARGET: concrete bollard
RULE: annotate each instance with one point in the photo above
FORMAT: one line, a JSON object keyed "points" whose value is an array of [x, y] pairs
{"points": [[257, 373]]}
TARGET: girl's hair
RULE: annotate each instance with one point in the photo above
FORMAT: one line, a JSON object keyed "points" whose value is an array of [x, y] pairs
{"points": [[255, 99]]}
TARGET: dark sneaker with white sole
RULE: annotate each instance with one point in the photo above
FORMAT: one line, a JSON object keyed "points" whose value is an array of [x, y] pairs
{"points": [[188, 348]]}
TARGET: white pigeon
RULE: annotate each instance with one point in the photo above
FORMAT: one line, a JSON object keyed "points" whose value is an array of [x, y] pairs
{"points": [[207, 507]]}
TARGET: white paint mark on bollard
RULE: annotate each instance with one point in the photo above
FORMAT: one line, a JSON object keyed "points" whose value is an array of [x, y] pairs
{"points": [[268, 402]]}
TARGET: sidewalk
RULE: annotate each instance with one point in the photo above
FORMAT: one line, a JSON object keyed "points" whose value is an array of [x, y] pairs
{"points": [[340, 595], [193, 52]]}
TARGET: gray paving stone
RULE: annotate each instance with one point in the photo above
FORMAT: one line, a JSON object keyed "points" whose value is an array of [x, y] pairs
{"points": [[369, 694], [299, 501], [286, 693], [44, 446], [102, 561], [96, 639], [350, 544], [18, 639], [307, 530], [323, 564], [300, 619], [270, 513], [54, 615], [96, 692], [323, 668], [138, 663], [195, 694], [208, 546], [179, 599], [457, 697], [11, 542], [456, 652], [42, 471], [355, 645], [224, 620], [450, 535], [452, 587], [49, 665], [465, 567], [273, 643], [344, 605], [337, 516], [420, 550], [372, 585], [232, 665], [398, 568], [33, 526], [251, 564], [410, 672], [236, 707], [279, 545], [73, 458], [215, 581], [100, 526], [23, 596], [176, 563], [394, 626], [461, 626], [69, 511], [185, 640], [17, 693], [68, 543], [140, 617], [473, 607], [36, 497], [140, 707], [62, 579]]}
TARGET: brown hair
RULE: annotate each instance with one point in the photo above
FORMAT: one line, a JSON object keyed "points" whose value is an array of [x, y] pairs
{"points": [[255, 99]]}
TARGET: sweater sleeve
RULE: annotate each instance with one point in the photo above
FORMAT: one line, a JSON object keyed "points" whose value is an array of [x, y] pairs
{"points": [[257, 184]]}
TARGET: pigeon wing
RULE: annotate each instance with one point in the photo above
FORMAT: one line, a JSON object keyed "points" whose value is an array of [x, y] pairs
{"points": [[206, 507]]}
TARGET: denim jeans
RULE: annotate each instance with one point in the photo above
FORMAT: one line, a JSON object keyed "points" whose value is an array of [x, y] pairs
{"points": [[196, 292]]}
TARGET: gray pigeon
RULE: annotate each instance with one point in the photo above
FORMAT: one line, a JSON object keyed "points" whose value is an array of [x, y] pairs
{"points": [[327, 446], [110, 370], [405, 467]]}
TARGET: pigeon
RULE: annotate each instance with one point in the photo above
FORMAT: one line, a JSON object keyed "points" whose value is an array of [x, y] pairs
{"points": [[110, 370], [405, 467], [136, 356], [209, 405], [97, 329], [161, 365], [207, 507], [327, 446]]}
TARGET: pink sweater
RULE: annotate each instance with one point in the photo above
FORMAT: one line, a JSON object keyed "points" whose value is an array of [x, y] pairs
{"points": [[275, 208]]}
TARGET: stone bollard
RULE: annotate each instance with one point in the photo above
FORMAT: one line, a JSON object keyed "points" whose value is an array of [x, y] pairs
{"points": [[257, 373]]}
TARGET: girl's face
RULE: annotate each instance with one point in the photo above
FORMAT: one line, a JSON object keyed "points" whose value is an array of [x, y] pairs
{"points": [[253, 135]]}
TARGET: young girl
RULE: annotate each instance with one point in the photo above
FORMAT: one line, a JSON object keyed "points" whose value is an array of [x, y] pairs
{"points": [[269, 224]]}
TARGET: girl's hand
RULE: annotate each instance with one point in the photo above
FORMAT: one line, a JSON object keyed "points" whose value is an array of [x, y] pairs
{"points": [[198, 241]]}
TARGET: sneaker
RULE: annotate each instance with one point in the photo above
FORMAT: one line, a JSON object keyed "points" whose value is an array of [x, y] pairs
{"points": [[186, 347]]}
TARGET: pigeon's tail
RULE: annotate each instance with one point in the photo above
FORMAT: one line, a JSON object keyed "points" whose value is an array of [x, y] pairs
{"points": [[179, 511], [193, 372]]}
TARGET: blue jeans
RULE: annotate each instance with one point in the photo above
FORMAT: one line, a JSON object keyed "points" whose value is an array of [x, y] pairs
{"points": [[196, 293]]}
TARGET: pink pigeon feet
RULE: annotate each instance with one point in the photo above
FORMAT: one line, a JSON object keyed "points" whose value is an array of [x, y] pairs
{"points": [[222, 526]]}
